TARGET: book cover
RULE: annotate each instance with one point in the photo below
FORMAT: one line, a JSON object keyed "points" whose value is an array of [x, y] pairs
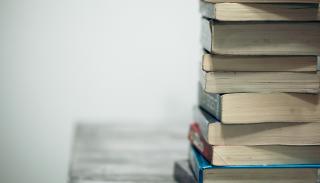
{"points": [[252, 155], [199, 165], [260, 82], [257, 63], [260, 11], [197, 140], [261, 38], [210, 102], [245, 108], [284, 133]]}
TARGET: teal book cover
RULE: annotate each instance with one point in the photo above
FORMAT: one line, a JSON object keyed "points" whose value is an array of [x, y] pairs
{"points": [[199, 164]]}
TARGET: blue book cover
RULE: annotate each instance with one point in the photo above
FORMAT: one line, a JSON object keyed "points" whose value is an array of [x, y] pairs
{"points": [[199, 164]]}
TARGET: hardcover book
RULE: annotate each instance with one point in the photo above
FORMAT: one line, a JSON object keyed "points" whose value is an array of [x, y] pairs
{"points": [[242, 108], [286, 133], [260, 11], [267, 82], [261, 38], [241, 63], [205, 172], [253, 155]]}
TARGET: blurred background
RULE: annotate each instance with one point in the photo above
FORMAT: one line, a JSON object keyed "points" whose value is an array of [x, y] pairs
{"points": [[64, 61]]}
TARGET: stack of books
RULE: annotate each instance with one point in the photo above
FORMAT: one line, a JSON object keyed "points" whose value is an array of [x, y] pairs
{"points": [[258, 117]]}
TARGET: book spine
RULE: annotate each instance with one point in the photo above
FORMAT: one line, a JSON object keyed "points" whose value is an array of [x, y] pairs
{"points": [[206, 34], [195, 166], [207, 9], [210, 103], [202, 122], [198, 141]]}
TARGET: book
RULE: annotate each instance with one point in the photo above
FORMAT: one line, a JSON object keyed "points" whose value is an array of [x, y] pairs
{"points": [[253, 155], [241, 108], [217, 133], [205, 172], [267, 82], [261, 38], [260, 11], [182, 172], [263, 1], [242, 63]]}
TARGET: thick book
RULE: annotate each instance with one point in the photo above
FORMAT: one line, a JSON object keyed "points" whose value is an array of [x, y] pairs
{"points": [[261, 38], [182, 172], [267, 82], [217, 133], [253, 155], [263, 1], [260, 11], [241, 108], [205, 172], [253, 63]]}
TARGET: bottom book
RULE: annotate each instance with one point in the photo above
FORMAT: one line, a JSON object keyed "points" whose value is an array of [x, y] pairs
{"points": [[207, 173]]}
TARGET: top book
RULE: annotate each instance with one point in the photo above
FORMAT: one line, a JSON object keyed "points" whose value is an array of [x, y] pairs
{"points": [[263, 1], [261, 11]]}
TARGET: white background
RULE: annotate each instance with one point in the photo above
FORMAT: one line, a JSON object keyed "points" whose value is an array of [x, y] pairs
{"points": [[108, 60]]}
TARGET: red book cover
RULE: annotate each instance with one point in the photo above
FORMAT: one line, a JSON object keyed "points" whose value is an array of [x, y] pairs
{"points": [[198, 141]]}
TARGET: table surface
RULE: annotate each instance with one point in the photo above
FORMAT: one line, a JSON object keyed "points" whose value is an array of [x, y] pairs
{"points": [[126, 153]]}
